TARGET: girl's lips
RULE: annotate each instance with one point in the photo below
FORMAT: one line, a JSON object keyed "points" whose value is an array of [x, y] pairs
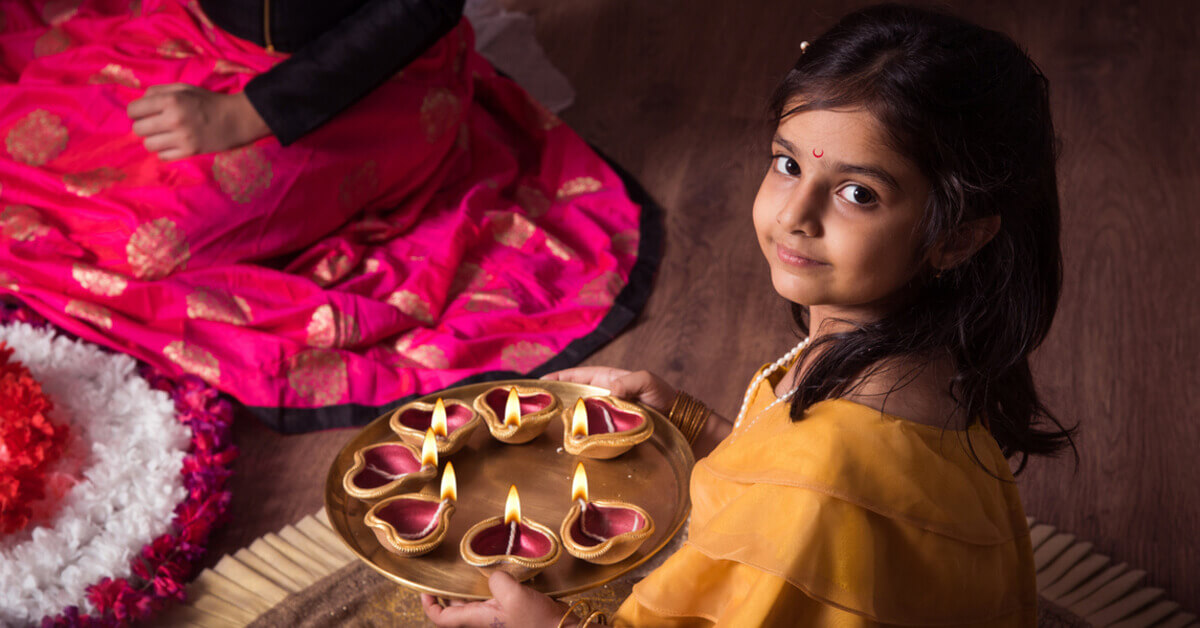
{"points": [[792, 258]]}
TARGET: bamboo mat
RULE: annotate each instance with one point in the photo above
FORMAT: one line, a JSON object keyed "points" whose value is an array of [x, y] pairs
{"points": [[1076, 586]]}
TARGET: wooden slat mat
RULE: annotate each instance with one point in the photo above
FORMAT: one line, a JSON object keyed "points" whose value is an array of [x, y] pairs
{"points": [[304, 576]]}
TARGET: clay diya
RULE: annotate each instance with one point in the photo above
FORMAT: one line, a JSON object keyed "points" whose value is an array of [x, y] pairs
{"points": [[602, 532], [414, 524], [517, 414], [385, 468], [452, 423], [512, 544], [605, 427]]}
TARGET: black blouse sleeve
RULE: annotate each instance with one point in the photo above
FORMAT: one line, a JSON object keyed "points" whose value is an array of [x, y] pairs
{"points": [[348, 61]]}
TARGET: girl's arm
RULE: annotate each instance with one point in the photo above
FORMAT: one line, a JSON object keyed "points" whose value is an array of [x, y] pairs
{"points": [[651, 390]]}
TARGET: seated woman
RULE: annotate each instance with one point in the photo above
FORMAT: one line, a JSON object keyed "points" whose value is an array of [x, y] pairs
{"points": [[384, 214]]}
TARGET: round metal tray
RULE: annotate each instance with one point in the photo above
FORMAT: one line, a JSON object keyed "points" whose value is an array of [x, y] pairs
{"points": [[653, 475]]}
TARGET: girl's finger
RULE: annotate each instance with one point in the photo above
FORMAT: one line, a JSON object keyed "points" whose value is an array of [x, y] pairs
{"points": [[600, 376], [161, 142], [152, 125], [145, 106], [174, 154]]}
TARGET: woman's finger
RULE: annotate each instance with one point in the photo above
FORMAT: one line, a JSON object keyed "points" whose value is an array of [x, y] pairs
{"points": [[174, 154], [149, 105], [152, 125], [161, 142], [600, 376]]}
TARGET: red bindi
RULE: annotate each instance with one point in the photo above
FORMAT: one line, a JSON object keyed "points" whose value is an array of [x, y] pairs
{"points": [[818, 153]]}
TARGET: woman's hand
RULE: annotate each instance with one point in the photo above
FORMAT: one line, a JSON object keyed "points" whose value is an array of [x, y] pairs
{"points": [[641, 386], [180, 120], [512, 605]]}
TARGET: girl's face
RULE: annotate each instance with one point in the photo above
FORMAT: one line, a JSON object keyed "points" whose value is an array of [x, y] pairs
{"points": [[837, 214]]}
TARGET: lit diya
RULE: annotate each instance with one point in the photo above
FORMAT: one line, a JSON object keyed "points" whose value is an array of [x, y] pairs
{"points": [[512, 544], [602, 532], [414, 524], [452, 423], [605, 427], [517, 414], [385, 468]]}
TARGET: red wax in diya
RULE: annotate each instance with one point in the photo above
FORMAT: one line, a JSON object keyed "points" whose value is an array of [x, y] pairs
{"points": [[385, 468], [452, 423], [513, 544], [602, 532], [605, 427], [517, 414], [414, 524]]}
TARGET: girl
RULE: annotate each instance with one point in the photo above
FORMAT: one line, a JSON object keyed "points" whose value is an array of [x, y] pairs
{"points": [[909, 212]]}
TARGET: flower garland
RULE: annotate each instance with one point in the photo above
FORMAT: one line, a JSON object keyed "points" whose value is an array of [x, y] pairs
{"points": [[148, 458], [29, 442]]}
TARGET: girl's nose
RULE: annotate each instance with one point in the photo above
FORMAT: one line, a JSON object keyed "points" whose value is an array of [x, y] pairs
{"points": [[801, 211]]}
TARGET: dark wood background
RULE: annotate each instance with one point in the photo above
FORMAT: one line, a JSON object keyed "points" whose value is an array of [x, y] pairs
{"points": [[675, 91]]}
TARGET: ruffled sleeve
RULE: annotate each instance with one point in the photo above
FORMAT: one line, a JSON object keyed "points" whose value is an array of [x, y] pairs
{"points": [[847, 518]]}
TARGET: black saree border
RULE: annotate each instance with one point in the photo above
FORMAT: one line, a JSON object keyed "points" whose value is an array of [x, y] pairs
{"points": [[625, 308]]}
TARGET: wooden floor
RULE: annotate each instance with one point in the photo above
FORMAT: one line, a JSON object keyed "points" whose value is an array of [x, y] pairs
{"points": [[675, 91]]}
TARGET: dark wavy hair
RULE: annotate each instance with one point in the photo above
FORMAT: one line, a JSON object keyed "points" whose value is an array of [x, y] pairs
{"points": [[972, 111]]}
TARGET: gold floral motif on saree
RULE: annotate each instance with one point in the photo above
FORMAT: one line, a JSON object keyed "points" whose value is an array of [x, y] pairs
{"points": [[156, 249], [90, 182], [359, 186], [543, 118], [558, 249], [217, 306], [22, 223], [371, 266], [225, 66], [58, 11], [194, 360], [524, 356], [329, 327], [93, 313], [331, 268], [626, 242], [511, 229], [318, 376], [492, 301], [99, 282], [243, 173], [532, 200], [8, 282], [469, 277], [177, 49], [37, 138], [118, 74], [412, 355], [411, 304], [439, 112], [578, 186], [51, 43], [601, 291]]}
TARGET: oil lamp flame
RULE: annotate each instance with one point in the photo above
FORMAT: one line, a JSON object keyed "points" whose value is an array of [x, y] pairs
{"points": [[438, 423], [579, 425], [429, 450], [512, 506], [512, 409], [449, 483], [579, 486]]}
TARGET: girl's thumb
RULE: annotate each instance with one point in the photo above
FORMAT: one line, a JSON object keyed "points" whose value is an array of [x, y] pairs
{"points": [[504, 588]]}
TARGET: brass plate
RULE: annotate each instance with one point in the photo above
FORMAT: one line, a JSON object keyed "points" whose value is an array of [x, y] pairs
{"points": [[653, 475]]}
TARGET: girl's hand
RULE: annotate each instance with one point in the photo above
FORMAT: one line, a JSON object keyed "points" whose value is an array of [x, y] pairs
{"points": [[641, 386], [180, 120], [512, 606]]}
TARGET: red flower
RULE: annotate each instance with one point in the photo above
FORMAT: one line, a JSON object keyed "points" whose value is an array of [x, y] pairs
{"points": [[29, 442]]}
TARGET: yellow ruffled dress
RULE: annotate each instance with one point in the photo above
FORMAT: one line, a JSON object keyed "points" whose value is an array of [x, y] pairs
{"points": [[850, 517]]}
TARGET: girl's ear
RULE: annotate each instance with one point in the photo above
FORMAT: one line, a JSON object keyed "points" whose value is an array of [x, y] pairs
{"points": [[959, 246]]}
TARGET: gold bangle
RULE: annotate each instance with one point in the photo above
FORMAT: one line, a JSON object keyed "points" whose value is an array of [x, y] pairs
{"points": [[600, 618], [689, 415], [584, 610]]}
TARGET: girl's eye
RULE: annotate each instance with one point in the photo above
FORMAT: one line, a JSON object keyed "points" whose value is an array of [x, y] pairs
{"points": [[786, 165], [857, 194]]}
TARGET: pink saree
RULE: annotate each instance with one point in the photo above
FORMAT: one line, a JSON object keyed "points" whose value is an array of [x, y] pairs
{"points": [[444, 228]]}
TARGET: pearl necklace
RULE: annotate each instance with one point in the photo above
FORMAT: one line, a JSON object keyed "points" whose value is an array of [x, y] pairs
{"points": [[780, 363]]}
